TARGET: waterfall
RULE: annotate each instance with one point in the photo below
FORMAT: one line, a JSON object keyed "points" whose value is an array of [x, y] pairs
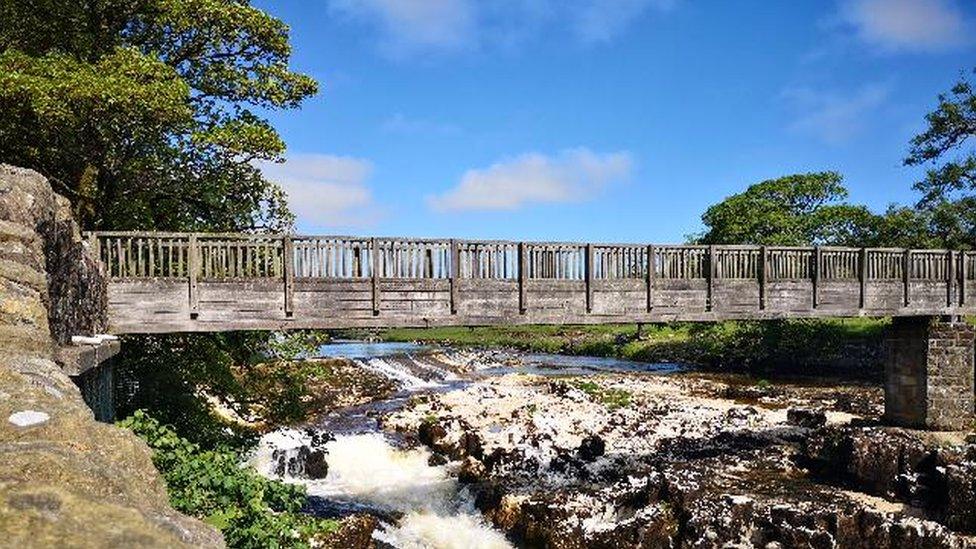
{"points": [[367, 470], [399, 371]]}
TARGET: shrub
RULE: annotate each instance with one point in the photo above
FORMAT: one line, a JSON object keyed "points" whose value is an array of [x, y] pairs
{"points": [[250, 510]]}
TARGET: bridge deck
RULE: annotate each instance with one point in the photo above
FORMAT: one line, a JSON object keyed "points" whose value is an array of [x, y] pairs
{"points": [[167, 282]]}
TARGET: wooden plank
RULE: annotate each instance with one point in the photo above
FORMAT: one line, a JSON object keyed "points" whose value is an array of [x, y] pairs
{"points": [[288, 268], [964, 279], [651, 274], [194, 275], [523, 305], [588, 275], [815, 274], [711, 279], [455, 264], [906, 275], [763, 276], [375, 275], [862, 275], [237, 282], [950, 278]]}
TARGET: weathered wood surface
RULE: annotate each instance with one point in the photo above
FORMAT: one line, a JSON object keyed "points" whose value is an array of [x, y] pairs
{"points": [[168, 282]]}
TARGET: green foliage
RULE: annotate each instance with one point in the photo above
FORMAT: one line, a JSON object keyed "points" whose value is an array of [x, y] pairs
{"points": [[250, 510], [613, 399], [823, 346], [168, 374], [947, 148], [140, 111], [951, 126], [795, 210]]}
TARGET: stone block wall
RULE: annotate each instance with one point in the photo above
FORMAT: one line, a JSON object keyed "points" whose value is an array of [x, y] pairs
{"points": [[65, 479], [77, 289], [929, 375]]}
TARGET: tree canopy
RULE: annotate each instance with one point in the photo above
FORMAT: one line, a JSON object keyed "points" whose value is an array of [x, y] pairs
{"points": [[145, 112], [794, 210], [947, 148]]}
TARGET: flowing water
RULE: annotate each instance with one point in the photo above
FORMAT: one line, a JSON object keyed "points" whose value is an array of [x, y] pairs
{"points": [[421, 505]]}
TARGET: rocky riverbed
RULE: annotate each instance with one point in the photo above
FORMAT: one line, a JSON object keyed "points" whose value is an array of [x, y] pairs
{"points": [[625, 459]]}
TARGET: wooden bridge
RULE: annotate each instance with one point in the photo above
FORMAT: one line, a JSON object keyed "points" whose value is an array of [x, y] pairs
{"points": [[169, 282]]}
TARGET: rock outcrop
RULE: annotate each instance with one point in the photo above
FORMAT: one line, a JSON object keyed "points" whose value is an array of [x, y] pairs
{"points": [[64, 478], [568, 463]]}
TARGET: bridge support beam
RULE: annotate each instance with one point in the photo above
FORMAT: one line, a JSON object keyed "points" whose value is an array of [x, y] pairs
{"points": [[929, 373]]}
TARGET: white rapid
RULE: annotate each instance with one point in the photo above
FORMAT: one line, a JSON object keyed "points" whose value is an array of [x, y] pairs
{"points": [[404, 376], [367, 469]]}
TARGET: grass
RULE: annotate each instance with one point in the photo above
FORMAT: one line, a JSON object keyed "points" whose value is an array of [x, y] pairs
{"points": [[798, 345], [613, 399]]}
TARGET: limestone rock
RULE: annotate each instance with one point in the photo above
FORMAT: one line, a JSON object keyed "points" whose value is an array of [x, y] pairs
{"points": [[591, 448], [806, 418], [64, 478]]}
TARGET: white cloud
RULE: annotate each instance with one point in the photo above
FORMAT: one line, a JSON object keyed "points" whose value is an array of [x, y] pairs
{"points": [[914, 25], [325, 190], [414, 27], [570, 176], [601, 20], [834, 117]]}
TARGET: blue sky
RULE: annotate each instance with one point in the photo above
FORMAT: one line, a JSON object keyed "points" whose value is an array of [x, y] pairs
{"points": [[600, 120]]}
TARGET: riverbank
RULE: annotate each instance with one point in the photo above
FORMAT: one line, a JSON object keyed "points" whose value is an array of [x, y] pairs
{"points": [[850, 348]]}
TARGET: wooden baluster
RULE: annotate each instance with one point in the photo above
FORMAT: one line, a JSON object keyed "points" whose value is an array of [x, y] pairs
{"points": [[763, 275], [523, 306], [193, 259], [863, 279], [963, 278], [651, 274], [950, 277], [454, 265], [588, 276], [816, 275], [130, 269], [288, 267], [151, 261], [907, 276], [710, 296], [375, 275]]}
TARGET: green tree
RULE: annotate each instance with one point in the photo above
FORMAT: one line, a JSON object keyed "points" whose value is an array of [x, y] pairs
{"points": [[946, 148], [794, 210], [147, 114], [143, 112], [169, 375]]}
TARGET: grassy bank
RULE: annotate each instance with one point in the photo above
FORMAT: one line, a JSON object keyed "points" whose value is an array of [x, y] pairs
{"points": [[841, 346]]}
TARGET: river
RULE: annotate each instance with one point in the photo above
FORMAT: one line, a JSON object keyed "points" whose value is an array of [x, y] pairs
{"points": [[371, 470]]}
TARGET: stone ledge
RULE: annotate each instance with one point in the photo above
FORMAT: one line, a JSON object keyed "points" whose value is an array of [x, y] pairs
{"points": [[78, 359]]}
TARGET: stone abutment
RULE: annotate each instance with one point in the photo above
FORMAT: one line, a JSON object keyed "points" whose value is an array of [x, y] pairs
{"points": [[929, 373]]}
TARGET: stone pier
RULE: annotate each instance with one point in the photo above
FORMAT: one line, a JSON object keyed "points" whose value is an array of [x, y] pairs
{"points": [[929, 373]]}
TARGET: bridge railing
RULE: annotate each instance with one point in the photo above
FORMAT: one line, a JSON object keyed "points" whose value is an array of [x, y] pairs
{"points": [[168, 255], [171, 255], [198, 258]]}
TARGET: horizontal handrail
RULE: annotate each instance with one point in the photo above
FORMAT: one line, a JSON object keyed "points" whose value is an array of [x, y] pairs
{"points": [[146, 254]]}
